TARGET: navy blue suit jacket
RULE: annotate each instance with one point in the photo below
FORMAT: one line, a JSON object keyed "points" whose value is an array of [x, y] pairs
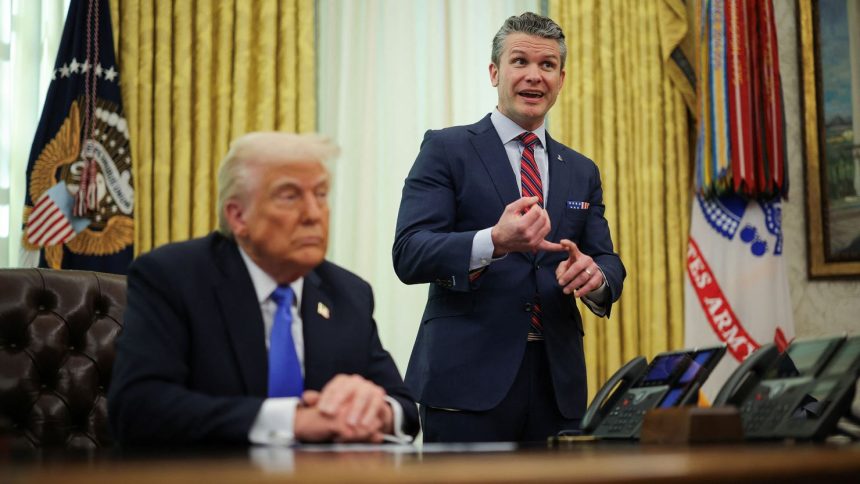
{"points": [[192, 363], [473, 334]]}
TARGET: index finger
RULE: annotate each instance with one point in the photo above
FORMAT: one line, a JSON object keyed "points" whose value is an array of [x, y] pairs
{"points": [[572, 248], [550, 246]]}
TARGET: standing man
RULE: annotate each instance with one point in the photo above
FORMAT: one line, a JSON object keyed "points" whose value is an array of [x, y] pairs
{"points": [[507, 226], [248, 334]]}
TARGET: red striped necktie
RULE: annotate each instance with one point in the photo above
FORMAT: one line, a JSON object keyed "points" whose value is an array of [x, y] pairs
{"points": [[529, 172], [531, 187]]}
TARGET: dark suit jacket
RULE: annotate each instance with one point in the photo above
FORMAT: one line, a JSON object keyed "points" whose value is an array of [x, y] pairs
{"points": [[192, 363], [473, 335]]}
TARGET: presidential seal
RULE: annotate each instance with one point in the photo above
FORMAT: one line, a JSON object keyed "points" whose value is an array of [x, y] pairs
{"points": [[108, 225]]}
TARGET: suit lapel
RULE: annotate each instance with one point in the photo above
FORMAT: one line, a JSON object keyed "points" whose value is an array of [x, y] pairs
{"points": [[318, 316], [242, 317], [492, 153], [558, 184]]}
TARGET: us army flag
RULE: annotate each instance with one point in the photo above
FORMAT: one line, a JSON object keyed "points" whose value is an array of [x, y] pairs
{"points": [[736, 289]]}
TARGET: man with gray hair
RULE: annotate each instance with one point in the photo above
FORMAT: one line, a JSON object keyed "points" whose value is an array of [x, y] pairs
{"points": [[248, 334], [507, 225]]}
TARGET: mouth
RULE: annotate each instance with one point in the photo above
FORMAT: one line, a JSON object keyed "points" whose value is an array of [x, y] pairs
{"points": [[309, 241], [531, 95]]}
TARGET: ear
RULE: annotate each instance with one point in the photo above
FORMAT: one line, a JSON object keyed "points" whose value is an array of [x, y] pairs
{"points": [[234, 212], [561, 79], [494, 75]]}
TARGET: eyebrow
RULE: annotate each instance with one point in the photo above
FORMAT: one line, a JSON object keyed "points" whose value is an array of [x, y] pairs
{"points": [[292, 183]]}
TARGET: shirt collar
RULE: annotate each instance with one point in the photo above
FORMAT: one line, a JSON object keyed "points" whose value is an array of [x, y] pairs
{"points": [[509, 130], [264, 284]]}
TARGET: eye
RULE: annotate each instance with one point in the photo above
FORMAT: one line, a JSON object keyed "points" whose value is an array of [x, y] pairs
{"points": [[288, 195], [321, 193], [519, 61], [548, 65]]}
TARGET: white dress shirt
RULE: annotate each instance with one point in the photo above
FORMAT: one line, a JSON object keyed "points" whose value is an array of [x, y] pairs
{"points": [[274, 424]]}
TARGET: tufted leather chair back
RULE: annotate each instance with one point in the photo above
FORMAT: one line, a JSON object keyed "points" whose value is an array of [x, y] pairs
{"points": [[57, 332]]}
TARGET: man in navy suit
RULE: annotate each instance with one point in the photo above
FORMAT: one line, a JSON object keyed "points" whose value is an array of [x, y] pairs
{"points": [[248, 334], [507, 225]]}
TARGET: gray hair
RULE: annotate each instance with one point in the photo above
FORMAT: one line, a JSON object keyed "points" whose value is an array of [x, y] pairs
{"points": [[262, 149], [532, 24]]}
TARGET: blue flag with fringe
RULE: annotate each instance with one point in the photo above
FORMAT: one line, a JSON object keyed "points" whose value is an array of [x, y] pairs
{"points": [[79, 207]]}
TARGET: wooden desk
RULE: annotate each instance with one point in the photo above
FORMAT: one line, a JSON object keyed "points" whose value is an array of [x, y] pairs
{"points": [[580, 463]]}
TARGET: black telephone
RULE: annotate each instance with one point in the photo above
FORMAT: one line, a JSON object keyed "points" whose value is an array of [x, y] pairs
{"points": [[746, 376], [606, 399], [672, 379], [800, 393]]}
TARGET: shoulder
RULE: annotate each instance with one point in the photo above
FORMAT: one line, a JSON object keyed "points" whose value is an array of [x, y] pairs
{"points": [[189, 256], [453, 134], [567, 154]]}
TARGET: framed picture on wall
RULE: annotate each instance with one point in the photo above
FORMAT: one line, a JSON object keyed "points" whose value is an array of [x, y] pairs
{"points": [[830, 73]]}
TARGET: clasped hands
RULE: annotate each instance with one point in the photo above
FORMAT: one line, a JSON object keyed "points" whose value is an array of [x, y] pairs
{"points": [[348, 409], [523, 227]]}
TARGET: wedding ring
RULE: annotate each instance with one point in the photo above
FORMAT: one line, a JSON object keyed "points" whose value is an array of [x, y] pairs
{"points": [[588, 272]]}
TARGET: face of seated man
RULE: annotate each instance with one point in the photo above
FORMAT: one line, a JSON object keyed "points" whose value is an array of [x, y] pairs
{"points": [[280, 217]]}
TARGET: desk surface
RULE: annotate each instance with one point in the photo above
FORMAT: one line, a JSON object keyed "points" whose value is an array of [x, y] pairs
{"points": [[574, 463]]}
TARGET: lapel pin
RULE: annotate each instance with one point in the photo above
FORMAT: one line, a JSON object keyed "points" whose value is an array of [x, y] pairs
{"points": [[559, 158], [323, 311]]}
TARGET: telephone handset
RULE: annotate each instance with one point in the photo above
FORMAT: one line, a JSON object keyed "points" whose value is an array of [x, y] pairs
{"points": [[803, 392], [746, 376], [671, 379], [606, 398]]}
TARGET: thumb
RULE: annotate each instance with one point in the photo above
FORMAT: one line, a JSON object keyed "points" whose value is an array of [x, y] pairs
{"points": [[523, 203], [310, 397]]}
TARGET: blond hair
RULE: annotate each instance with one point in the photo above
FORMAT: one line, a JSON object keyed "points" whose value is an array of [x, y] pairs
{"points": [[263, 149]]}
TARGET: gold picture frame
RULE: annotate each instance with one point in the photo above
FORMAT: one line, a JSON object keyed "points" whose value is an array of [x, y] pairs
{"points": [[823, 261]]}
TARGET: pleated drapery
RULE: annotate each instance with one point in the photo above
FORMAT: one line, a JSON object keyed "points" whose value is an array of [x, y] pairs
{"points": [[195, 75], [620, 107]]}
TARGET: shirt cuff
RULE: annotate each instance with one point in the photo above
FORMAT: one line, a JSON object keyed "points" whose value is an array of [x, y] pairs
{"points": [[275, 422], [399, 436], [482, 249], [596, 299]]}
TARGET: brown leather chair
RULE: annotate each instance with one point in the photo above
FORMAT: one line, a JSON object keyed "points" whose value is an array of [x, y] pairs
{"points": [[57, 332]]}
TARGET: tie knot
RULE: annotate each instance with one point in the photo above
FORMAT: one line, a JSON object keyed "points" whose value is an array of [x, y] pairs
{"points": [[283, 295], [528, 139]]}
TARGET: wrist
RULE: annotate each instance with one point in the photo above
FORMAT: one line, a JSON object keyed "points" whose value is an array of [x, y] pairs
{"points": [[498, 251]]}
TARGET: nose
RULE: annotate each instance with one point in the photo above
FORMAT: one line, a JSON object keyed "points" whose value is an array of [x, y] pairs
{"points": [[313, 208], [533, 73]]}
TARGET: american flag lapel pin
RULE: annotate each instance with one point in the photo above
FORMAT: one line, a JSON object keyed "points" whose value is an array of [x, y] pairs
{"points": [[323, 310]]}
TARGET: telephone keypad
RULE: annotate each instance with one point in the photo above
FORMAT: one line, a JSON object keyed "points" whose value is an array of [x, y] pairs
{"points": [[627, 415]]}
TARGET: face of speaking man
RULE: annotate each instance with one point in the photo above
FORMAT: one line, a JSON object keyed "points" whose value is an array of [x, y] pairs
{"points": [[281, 220], [529, 77]]}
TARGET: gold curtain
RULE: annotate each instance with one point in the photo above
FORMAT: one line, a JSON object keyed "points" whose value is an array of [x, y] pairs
{"points": [[620, 107], [195, 75]]}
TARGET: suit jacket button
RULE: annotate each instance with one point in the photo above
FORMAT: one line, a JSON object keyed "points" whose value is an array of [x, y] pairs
{"points": [[528, 307]]}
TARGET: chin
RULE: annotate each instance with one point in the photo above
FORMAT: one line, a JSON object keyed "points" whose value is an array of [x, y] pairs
{"points": [[309, 257]]}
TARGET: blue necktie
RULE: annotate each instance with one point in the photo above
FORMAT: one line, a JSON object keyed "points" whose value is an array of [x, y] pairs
{"points": [[285, 371]]}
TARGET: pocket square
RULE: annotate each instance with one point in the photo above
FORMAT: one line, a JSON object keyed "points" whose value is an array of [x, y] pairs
{"points": [[577, 205]]}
